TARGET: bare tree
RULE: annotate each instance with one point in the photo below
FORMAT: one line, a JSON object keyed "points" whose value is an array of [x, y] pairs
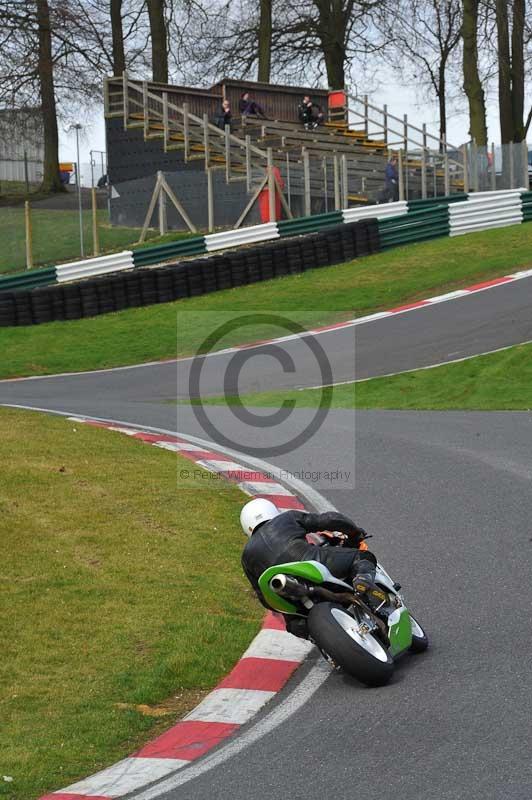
{"points": [[159, 40], [117, 32], [265, 41], [424, 37], [472, 83], [511, 68], [45, 68], [310, 40]]}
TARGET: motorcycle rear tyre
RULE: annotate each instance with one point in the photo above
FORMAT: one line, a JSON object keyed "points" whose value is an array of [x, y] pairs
{"points": [[332, 638]]}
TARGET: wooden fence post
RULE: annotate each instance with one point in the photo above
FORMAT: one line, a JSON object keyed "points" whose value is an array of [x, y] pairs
{"points": [[186, 131], [29, 236], [345, 179], [337, 199], [163, 222], [401, 176]]}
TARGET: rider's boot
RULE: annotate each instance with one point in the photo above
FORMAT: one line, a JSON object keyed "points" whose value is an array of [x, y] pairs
{"points": [[364, 580]]}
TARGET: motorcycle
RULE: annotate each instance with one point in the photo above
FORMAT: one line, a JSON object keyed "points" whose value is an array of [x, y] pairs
{"points": [[362, 635]]}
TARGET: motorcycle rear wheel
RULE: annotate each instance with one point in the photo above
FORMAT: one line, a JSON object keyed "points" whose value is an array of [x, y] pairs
{"points": [[360, 655]]}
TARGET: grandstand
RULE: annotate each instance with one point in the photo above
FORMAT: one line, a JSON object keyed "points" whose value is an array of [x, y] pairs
{"points": [[153, 127]]}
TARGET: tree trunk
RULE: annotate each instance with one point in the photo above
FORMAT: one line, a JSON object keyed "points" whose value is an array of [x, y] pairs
{"points": [[442, 101], [334, 64], [51, 179], [505, 77], [265, 41], [119, 58], [159, 44], [472, 85], [518, 71], [332, 32]]}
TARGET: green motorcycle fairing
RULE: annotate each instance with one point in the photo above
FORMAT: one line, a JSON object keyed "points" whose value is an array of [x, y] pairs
{"points": [[311, 571], [399, 630]]}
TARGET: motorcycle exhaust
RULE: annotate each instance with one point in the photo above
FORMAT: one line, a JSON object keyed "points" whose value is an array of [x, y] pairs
{"points": [[284, 584]]}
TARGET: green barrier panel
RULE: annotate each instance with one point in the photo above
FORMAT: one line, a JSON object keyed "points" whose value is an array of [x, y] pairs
{"points": [[162, 252], [441, 229], [292, 227], [414, 218], [415, 205], [407, 219], [415, 226], [28, 280], [413, 236], [424, 238]]}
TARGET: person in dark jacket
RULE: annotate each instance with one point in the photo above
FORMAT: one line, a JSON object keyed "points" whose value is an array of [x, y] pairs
{"points": [[309, 113], [391, 180], [277, 537], [249, 107], [224, 118]]}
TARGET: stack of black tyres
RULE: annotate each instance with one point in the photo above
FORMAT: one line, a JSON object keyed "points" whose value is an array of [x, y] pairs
{"points": [[142, 287]]}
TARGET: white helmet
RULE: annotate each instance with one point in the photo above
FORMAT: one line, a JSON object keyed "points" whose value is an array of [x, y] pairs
{"points": [[255, 512]]}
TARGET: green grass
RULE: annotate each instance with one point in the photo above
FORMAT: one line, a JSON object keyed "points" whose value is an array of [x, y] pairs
{"points": [[123, 599], [17, 189], [313, 298], [56, 237], [498, 381]]}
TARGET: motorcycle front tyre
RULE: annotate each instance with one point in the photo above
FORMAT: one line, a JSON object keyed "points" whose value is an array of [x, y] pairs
{"points": [[361, 656]]}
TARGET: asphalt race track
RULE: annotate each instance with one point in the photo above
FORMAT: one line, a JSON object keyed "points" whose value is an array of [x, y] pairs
{"points": [[447, 497]]}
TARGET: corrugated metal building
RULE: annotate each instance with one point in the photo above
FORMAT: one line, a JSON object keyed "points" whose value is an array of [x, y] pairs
{"points": [[21, 139]]}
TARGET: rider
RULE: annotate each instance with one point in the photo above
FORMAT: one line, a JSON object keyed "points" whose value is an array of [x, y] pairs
{"points": [[277, 537]]}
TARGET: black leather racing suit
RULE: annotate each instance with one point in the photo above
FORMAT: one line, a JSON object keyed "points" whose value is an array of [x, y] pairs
{"points": [[282, 539]]}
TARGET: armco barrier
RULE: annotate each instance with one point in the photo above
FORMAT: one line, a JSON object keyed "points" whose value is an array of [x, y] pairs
{"points": [[382, 211], [193, 246], [301, 225], [416, 226], [484, 211], [416, 229], [94, 266], [28, 280], [427, 202], [142, 287], [251, 235]]}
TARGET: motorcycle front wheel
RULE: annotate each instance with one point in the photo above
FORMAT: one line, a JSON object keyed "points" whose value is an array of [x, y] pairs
{"points": [[420, 640], [358, 653]]}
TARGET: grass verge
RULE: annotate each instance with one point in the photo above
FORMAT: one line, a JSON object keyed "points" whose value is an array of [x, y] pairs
{"points": [[313, 298], [123, 597], [495, 382]]}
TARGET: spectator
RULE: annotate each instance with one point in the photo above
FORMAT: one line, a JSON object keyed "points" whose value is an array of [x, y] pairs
{"points": [[391, 180], [309, 113], [224, 117], [248, 107]]}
